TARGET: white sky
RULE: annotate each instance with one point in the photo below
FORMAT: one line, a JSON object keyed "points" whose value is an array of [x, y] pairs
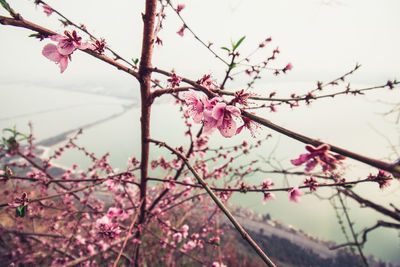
{"points": [[321, 38]]}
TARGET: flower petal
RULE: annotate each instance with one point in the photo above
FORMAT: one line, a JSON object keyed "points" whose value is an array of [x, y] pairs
{"points": [[51, 52]]}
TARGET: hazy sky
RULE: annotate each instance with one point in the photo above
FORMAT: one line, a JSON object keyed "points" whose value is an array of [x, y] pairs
{"points": [[321, 38]]}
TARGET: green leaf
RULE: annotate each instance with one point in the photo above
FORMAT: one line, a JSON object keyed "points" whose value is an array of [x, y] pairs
{"points": [[135, 61], [7, 7], [21, 211], [238, 43], [226, 48]]}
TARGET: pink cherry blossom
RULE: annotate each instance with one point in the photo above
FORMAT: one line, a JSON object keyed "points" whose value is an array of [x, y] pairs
{"points": [[318, 155], [51, 52], [383, 178], [180, 8], [312, 183], [185, 230], [48, 10], [289, 66], [113, 212], [69, 42], [267, 184], [181, 30], [295, 194], [224, 115], [268, 196], [107, 229], [196, 105], [174, 80]]}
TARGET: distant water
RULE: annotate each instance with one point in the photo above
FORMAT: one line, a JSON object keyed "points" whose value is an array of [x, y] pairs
{"points": [[348, 122]]}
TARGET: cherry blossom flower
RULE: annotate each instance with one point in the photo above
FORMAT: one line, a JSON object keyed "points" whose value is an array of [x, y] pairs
{"points": [[177, 237], [66, 46], [51, 52], [266, 184], [295, 194], [196, 105], [382, 178], [181, 30], [180, 8], [113, 212], [48, 10], [222, 118], [318, 155], [69, 42], [107, 229], [312, 183], [251, 125], [20, 201], [268, 196], [207, 82], [174, 80], [289, 66], [185, 230]]}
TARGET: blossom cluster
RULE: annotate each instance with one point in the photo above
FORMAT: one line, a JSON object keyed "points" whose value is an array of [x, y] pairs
{"points": [[66, 45], [214, 113], [318, 155]]}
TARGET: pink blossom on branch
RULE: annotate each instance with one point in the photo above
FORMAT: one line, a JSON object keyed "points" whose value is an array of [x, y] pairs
{"points": [[195, 104], [51, 52], [312, 183], [180, 8], [107, 229], [69, 42], [319, 155], [48, 10], [181, 30], [66, 46], [382, 178], [268, 196], [295, 194]]}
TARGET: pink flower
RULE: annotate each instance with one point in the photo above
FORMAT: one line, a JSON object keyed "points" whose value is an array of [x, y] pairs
{"points": [[268, 196], [218, 264], [48, 10], [174, 80], [185, 230], [188, 246], [177, 237], [251, 125], [113, 212], [221, 117], [382, 178], [65, 47], [20, 201], [181, 30], [179, 8], [312, 183], [289, 66], [69, 42], [266, 184], [224, 115], [207, 82], [51, 52], [318, 155], [196, 105], [107, 229], [295, 194]]}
